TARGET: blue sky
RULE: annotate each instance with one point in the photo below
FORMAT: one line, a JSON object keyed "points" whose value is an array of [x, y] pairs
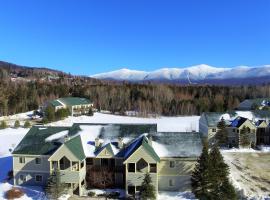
{"points": [[93, 36]]}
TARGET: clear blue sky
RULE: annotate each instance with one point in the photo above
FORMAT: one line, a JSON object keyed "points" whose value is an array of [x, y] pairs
{"points": [[93, 36]]}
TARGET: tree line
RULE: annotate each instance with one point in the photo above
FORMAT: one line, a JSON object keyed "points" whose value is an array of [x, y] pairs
{"points": [[159, 99]]}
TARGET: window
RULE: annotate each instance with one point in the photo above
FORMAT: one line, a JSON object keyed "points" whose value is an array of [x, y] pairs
{"points": [[214, 130], [237, 130], [106, 152], [82, 164], [23, 178], [22, 159], [233, 130], [131, 167], [153, 168], [38, 178], [75, 166], [138, 188], [172, 164], [54, 165], [89, 161], [171, 182], [131, 189], [38, 161]]}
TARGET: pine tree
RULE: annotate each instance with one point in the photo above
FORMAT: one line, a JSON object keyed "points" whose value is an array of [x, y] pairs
{"points": [[200, 178], [54, 188], [222, 133], [17, 124], [244, 138], [147, 190], [3, 125], [50, 113], [27, 124], [90, 112], [220, 187]]}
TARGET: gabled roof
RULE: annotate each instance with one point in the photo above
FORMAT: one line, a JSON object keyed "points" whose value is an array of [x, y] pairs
{"points": [[106, 146], [73, 101], [35, 143], [75, 146], [134, 145], [55, 103], [212, 118], [238, 121], [259, 122]]}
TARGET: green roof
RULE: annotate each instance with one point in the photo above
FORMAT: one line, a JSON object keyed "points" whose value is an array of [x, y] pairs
{"points": [[75, 146], [55, 103], [34, 142], [73, 101]]}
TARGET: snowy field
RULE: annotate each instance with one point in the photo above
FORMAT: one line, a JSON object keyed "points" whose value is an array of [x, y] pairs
{"points": [[250, 172]]}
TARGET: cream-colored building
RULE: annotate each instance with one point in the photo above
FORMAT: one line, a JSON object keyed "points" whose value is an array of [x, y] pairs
{"points": [[107, 156]]}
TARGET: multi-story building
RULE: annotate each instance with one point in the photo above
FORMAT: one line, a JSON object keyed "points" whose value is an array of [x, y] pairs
{"points": [[75, 105], [107, 156], [257, 127]]}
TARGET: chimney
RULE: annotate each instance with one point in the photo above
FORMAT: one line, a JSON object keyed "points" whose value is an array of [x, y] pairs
{"points": [[150, 139], [97, 143], [66, 138], [120, 143]]}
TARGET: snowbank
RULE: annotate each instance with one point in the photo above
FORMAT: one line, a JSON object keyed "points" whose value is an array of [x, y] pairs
{"points": [[10, 138], [57, 136]]}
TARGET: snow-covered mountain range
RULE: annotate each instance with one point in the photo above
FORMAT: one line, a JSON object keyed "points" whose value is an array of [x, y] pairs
{"points": [[194, 74]]}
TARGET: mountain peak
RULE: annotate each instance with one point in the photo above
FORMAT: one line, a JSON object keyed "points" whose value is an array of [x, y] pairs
{"points": [[201, 73]]}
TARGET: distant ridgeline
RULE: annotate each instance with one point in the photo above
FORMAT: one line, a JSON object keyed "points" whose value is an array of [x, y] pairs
{"points": [[23, 89]]}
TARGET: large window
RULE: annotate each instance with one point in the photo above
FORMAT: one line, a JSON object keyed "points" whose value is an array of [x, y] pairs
{"points": [[172, 164], [64, 163], [22, 159], [153, 168], [131, 167], [171, 182], [131, 189], [38, 161], [38, 178]]}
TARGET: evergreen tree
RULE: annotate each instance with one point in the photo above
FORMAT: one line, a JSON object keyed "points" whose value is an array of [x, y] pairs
{"points": [[222, 133], [200, 178], [27, 124], [17, 124], [54, 188], [147, 190], [244, 136], [220, 187], [3, 125], [49, 113], [61, 113], [90, 112]]}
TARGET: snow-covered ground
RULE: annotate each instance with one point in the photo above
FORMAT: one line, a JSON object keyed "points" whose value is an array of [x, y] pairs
{"points": [[164, 124], [22, 117], [249, 172]]}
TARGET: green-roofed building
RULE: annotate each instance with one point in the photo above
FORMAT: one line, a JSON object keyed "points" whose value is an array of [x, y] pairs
{"points": [[106, 156], [76, 105]]}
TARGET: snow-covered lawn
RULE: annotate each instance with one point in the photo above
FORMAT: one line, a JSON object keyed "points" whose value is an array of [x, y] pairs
{"points": [[250, 172], [22, 117], [164, 124]]}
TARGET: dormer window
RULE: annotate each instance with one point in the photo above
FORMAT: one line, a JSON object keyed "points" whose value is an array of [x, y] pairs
{"points": [[214, 130], [22, 159]]}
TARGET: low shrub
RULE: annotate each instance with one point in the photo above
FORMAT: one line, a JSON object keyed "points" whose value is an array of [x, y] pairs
{"points": [[91, 194]]}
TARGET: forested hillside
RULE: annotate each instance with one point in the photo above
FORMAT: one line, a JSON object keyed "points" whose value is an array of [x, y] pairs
{"points": [[159, 99]]}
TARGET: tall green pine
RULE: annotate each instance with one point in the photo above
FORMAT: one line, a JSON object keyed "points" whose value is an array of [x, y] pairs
{"points": [[220, 187], [147, 190], [200, 180], [222, 133]]}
